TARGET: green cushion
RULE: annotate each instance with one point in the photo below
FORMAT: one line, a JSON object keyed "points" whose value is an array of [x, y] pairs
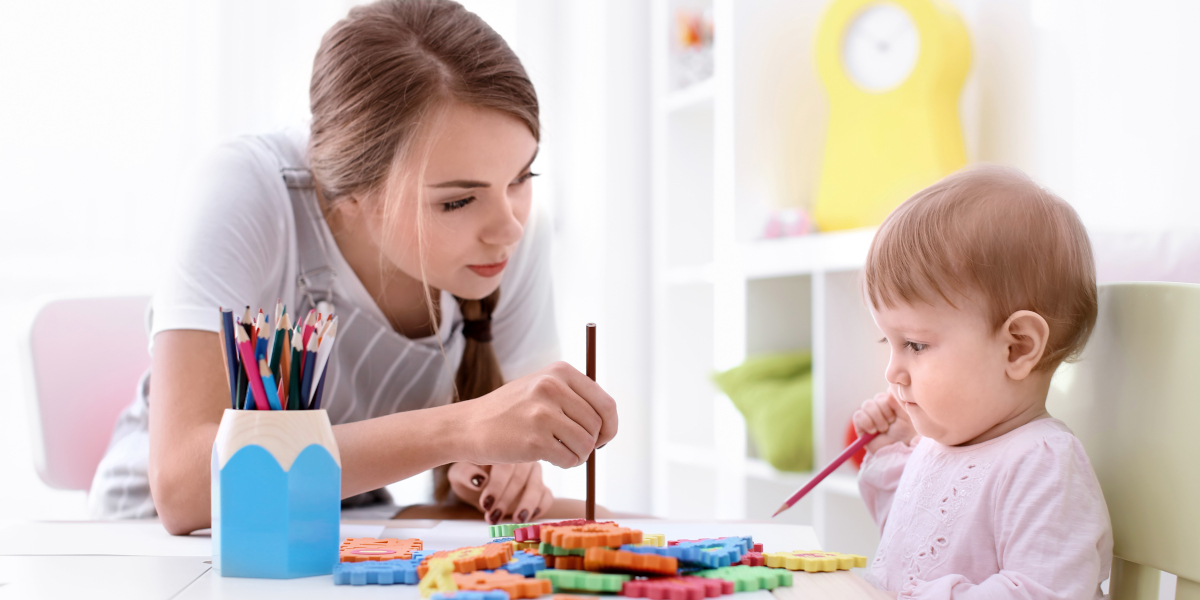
{"points": [[774, 393]]}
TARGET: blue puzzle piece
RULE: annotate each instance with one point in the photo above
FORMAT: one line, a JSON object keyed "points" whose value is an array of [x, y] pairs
{"points": [[524, 564], [501, 539], [380, 572], [712, 554], [469, 595], [419, 555]]}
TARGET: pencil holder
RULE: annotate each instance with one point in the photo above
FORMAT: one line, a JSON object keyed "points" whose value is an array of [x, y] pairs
{"points": [[276, 494]]}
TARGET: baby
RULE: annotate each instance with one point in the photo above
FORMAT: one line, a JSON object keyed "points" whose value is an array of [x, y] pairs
{"points": [[981, 284]]}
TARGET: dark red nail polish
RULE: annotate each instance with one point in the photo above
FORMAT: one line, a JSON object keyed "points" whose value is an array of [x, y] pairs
{"points": [[496, 516], [487, 503], [536, 512], [521, 518]]}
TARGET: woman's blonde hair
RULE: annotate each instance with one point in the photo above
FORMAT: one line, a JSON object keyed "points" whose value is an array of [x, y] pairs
{"points": [[993, 232], [381, 80]]}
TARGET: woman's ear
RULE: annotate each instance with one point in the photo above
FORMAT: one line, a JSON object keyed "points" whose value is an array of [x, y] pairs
{"points": [[1026, 333]]}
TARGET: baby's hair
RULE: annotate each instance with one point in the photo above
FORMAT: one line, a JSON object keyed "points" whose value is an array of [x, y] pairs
{"points": [[990, 231]]}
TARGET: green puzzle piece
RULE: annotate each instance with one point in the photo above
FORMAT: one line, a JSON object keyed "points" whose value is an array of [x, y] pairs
{"points": [[748, 579], [505, 529], [547, 550], [584, 581]]}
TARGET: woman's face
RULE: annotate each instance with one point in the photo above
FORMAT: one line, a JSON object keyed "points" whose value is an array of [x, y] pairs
{"points": [[474, 201]]}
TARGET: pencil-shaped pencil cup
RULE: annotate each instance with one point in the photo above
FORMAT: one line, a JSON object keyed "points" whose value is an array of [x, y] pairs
{"points": [[276, 494]]}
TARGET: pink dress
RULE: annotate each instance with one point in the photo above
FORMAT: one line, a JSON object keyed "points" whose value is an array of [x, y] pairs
{"points": [[1020, 516]]}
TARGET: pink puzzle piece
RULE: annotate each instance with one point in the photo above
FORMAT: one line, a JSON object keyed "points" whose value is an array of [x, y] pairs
{"points": [[677, 588]]}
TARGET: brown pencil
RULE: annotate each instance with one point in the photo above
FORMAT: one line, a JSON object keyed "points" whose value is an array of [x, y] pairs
{"points": [[590, 502]]}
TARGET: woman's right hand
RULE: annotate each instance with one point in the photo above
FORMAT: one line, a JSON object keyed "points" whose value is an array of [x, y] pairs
{"points": [[556, 414], [883, 415]]}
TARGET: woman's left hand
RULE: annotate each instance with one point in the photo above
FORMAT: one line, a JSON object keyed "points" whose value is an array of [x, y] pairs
{"points": [[515, 491]]}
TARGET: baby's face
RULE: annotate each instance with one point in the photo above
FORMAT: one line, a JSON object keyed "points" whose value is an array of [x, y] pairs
{"points": [[947, 369]]}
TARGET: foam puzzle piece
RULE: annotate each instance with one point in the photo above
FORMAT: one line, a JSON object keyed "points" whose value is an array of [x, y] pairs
{"points": [[592, 535], [530, 546], [748, 579], [385, 572], [502, 539], [584, 580], [524, 564], [438, 577], [517, 586], [364, 549], [573, 597], [505, 529], [813, 561], [753, 559], [471, 595], [570, 563], [472, 558], [534, 532], [677, 588], [548, 550], [711, 554], [603, 559], [654, 539]]}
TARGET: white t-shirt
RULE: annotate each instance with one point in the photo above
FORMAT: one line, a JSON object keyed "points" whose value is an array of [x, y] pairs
{"points": [[239, 245]]}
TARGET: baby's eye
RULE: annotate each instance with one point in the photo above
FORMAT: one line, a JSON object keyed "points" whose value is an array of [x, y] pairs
{"points": [[457, 204], [916, 346]]}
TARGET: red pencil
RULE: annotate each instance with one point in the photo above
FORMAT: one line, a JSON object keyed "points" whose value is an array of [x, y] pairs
{"points": [[251, 365], [837, 462]]}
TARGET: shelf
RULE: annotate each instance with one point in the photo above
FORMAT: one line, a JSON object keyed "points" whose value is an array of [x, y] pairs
{"points": [[683, 454], [804, 255], [692, 95], [844, 484]]}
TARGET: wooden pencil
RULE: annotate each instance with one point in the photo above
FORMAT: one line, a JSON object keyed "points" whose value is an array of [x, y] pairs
{"points": [[306, 379], [277, 344], [268, 382], [251, 366], [853, 449], [297, 358], [324, 350], [285, 365], [589, 506], [230, 352]]}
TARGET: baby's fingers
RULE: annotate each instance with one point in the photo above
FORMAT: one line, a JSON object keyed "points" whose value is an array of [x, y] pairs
{"points": [[879, 421]]}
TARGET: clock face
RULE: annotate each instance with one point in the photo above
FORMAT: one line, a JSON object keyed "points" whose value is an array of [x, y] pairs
{"points": [[880, 47]]}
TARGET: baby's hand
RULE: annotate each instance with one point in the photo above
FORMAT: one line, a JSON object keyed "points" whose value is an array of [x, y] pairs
{"points": [[883, 414]]}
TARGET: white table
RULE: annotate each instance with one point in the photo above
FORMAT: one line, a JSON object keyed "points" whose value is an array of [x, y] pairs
{"points": [[138, 559]]}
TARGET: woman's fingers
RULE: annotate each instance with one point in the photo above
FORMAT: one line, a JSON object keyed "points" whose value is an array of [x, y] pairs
{"points": [[506, 505], [530, 496], [601, 403], [544, 504], [498, 481]]}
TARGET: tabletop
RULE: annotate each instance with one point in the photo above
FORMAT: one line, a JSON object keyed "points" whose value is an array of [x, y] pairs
{"points": [[138, 559]]}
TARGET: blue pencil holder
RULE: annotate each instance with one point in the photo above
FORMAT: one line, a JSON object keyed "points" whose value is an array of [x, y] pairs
{"points": [[276, 494]]}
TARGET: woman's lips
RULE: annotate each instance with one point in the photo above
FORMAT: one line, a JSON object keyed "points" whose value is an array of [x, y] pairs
{"points": [[491, 270]]}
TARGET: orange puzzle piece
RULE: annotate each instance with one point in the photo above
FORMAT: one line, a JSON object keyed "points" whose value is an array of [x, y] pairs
{"points": [[364, 549], [472, 558], [517, 586], [600, 559], [592, 535], [567, 563]]}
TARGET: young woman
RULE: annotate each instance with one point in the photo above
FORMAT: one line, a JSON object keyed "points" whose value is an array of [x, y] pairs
{"points": [[401, 209]]}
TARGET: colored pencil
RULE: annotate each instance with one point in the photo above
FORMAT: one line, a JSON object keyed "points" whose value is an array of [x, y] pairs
{"points": [[262, 329], [268, 384], [231, 369], [310, 323], [316, 403], [297, 358], [837, 462], [306, 379], [589, 503], [324, 349], [285, 364], [277, 343], [251, 365]]}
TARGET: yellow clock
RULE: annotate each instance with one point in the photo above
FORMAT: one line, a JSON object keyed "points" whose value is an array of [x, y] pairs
{"points": [[894, 72]]}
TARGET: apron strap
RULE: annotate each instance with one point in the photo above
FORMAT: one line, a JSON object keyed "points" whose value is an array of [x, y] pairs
{"points": [[317, 276]]}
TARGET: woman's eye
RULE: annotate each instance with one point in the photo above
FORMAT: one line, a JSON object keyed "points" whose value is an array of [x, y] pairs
{"points": [[526, 177], [457, 204], [915, 346]]}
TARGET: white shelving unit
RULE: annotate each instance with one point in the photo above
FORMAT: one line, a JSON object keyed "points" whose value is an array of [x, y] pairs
{"points": [[723, 149]]}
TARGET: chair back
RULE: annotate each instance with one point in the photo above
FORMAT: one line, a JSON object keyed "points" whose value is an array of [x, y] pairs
{"points": [[1133, 399], [83, 358]]}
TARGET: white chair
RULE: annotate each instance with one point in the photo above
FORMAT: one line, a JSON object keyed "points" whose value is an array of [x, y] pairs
{"points": [[1134, 401], [83, 359]]}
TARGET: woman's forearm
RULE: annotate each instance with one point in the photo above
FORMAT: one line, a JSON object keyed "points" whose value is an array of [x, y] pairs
{"points": [[380, 451]]}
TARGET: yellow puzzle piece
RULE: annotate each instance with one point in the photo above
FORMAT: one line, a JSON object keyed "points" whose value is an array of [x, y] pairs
{"points": [[438, 578], [654, 539], [813, 560]]}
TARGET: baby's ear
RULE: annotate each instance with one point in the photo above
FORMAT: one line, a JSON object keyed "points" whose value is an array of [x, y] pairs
{"points": [[1026, 333]]}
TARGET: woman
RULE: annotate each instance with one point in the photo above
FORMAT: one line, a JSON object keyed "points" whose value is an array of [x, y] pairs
{"points": [[401, 209]]}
